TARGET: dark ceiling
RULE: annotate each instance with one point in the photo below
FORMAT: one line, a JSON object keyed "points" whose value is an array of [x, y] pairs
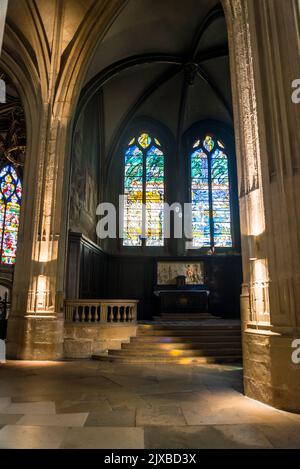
{"points": [[164, 59]]}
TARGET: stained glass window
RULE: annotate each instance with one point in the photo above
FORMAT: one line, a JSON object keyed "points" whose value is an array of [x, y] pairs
{"points": [[144, 192], [10, 201], [210, 194]]}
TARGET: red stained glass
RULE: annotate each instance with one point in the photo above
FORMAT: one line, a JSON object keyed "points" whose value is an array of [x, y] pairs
{"points": [[10, 202]]}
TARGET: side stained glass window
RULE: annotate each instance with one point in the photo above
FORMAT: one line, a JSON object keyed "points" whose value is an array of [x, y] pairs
{"points": [[144, 192], [10, 202], [210, 194]]}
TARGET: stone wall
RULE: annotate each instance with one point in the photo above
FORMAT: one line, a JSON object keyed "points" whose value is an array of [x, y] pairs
{"points": [[270, 375], [85, 173], [83, 341], [3, 8]]}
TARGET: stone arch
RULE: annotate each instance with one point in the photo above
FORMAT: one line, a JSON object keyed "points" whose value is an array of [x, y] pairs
{"points": [[271, 308]]}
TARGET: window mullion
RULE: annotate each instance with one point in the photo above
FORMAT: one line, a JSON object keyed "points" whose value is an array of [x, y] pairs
{"points": [[144, 213], [211, 218], [3, 232]]}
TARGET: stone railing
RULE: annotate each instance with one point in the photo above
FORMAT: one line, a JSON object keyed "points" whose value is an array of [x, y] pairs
{"points": [[101, 311]]}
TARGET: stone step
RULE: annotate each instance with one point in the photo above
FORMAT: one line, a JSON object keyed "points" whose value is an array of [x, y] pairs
{"points": [[169, 360], [182, 342], [188, 325], [177, 353], [180, 332], [183, 339], [185, 317], [181, 346]]}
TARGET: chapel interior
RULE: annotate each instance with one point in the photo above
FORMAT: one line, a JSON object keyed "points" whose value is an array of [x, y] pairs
{"points": [[149, 223]]}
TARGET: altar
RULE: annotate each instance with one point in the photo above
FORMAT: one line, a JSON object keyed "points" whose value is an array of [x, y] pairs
{"points": [[181, 287], [183, 300]]}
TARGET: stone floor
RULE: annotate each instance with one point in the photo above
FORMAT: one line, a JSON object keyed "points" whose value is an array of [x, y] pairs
{"points": [[87, 404]]}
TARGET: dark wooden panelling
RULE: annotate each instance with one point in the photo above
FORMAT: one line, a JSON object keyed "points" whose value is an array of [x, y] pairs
{"points": [[135, 277], [87, 269], [94, 274]]}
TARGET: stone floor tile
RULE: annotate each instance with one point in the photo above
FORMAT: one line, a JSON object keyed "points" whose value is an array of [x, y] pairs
{"points": [[50, 420], [4, 402], [162, 415], [282, 436], [113, 418], [205, 437], [72, 407], [30, 408], [104, 438], [125, 400], [175, 398], [179, 406], [18, 437], [9, 419]]}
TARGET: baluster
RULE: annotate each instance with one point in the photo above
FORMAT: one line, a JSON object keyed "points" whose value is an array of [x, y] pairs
{"points": [[66, 313], [133, 314], [111, 314], [103, 313], [70, 313]]}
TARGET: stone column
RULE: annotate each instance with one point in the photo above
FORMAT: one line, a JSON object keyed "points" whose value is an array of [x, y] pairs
{"points": [[3, 9], [36, 323], [265, 60], [50, 87]]}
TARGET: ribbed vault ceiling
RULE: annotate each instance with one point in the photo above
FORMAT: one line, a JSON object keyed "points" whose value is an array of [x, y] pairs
{"points": [[179, 72]]}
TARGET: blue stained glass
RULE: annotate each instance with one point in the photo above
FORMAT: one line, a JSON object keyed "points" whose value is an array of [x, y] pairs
{"points": [[221, 200], [133, 191], [154, 197], [210, 180], [10, 201], [144, 183], [200, 199]]}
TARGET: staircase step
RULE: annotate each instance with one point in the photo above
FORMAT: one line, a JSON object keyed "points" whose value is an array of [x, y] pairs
{"points": [[189, 333], [140, 346], [183, 339], [186, 317], [176, 353], [188, 325], [169, 360]]}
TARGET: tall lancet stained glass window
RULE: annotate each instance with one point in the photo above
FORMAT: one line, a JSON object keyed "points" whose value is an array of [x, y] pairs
{"points": [[210, 193], [10, 201], [144, 192]]}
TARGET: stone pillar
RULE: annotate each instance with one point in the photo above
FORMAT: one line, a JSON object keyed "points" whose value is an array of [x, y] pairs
{"points": [[36, 323], [3, 9], [50, 85], [265, 60], [38, 281]]}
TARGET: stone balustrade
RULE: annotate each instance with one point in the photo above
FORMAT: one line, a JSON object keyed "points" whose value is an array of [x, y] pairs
{"points": [[101, 311]]}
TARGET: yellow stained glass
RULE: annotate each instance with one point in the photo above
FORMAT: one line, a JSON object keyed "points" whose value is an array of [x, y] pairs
{"points": [[144, 140]]}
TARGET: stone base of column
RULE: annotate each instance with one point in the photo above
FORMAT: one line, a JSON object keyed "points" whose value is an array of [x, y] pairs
{"points": [[35, 338], [270, 376]]}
